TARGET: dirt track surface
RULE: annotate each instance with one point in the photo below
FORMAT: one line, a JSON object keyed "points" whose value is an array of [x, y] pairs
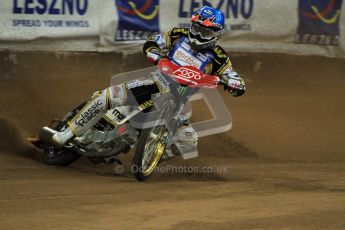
{"points": [[281, 166]]}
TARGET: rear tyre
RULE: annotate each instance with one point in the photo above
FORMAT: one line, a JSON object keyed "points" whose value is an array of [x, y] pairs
{"points": [[61, 157]]}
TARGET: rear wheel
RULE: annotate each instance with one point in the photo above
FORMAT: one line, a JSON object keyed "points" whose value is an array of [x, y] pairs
{"points": [[61, 157]]}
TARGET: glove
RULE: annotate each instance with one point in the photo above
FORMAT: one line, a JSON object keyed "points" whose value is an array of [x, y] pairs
{"points": [[164, 52], [236, 86], [155, 54]]}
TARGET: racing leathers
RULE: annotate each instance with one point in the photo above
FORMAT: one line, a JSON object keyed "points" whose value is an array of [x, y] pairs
{"points": [[217, 62], [175, 46]]}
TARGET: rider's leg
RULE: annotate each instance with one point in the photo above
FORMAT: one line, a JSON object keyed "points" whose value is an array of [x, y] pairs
{"points": [[92, 112], [184, 142]]}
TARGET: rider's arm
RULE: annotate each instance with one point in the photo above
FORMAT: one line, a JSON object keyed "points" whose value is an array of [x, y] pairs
{"points": [[222, 67], [158, 45], [153, 47]]}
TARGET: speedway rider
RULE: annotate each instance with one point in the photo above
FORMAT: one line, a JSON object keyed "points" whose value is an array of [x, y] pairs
{"points": [[194, 46]]}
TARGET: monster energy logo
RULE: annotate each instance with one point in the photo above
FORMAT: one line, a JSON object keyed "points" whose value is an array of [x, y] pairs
{"points": [[182, 90]]}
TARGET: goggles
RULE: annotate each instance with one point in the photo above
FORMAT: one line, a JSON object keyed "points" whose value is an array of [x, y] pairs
{"points": [[204, 32]]}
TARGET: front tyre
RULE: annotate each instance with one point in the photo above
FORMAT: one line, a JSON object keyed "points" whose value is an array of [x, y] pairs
{"points": [[150, 148]]}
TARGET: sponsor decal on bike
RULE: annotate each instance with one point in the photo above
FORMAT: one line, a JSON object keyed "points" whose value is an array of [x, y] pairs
{"points": [[137, 19], [115, 116], [187, 74], [87, 115], [319, 22], [181, 90], [138, 83], [118, 115]]}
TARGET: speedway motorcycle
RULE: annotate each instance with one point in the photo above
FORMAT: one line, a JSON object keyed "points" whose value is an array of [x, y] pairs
{"points": [[148, 127]]}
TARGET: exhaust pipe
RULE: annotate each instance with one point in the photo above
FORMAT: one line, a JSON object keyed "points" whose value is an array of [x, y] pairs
{"points": [[46, 134]]}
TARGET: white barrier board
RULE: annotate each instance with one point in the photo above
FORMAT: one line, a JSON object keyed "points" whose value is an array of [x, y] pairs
{"points": [[294, 27]]}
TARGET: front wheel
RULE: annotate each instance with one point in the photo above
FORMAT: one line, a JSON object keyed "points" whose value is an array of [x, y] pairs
{"points": [[150, 148]]}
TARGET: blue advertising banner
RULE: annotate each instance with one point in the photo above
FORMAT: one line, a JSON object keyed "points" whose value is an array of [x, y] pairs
{"points": [[137, 19], [319, 22]]}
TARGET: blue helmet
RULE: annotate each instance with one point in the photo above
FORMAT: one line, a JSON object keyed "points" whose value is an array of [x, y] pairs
{"points": [[207, 26]]}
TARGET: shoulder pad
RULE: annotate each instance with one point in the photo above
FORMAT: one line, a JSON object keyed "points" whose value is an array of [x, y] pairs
{"points": [[219, 52], [221, 60], [178, 31], [174, 34]]}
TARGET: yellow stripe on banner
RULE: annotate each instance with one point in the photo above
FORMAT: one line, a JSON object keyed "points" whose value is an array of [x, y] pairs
{"points": [[326, 20], [144, 16]]}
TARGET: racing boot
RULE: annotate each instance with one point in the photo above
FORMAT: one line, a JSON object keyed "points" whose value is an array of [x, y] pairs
{"points": [[89, 115], [185, 142], [60, 138]]}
